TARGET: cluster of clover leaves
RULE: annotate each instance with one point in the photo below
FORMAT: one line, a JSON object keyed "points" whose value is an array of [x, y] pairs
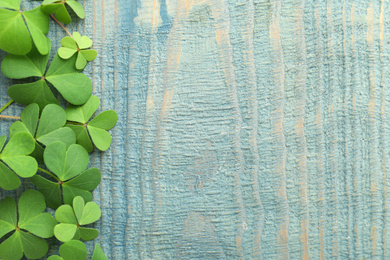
{"points": [[49, 146]]}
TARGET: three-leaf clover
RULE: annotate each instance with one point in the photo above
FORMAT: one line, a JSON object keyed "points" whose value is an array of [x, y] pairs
{"points": [[76, 250], [91, 131], [58, 7], [49, 128], [75, 87], [78, 44], [67, 167], [14, 159], [16, 27], [29, 226], [73, 218]]}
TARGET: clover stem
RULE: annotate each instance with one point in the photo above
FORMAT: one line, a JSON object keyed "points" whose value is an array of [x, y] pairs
{"points": [[63, 27], [48, 173], [6, 105]]}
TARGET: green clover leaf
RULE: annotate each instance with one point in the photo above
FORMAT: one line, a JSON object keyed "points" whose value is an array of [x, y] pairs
{"points": [[18, 27], [14, 159], [28, 230], [46, 130], [67, 167], [91, 131], [78, 44], [72, 219], [75, 87], [76, 250], [59, 9]]}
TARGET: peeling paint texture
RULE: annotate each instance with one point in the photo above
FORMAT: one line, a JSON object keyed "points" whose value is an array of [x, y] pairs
{"points": [[248, 129]]}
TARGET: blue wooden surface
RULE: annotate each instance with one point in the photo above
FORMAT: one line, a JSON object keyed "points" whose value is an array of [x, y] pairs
{"points": [[248, 129]]}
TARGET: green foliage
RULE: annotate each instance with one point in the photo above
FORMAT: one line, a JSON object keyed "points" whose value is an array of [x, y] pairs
{"points": [[75, 87], [25, 233], [47, 133], [67, 165], [89, 132], [78, 44], [76, 250], [18, 27], [72, 219], [14, 160], [45, 130], [59, 9]]}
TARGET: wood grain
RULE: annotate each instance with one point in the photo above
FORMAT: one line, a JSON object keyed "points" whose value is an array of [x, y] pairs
{"points": [[248, 129]]}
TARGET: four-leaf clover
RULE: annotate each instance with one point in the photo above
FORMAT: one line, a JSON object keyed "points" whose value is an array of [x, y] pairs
{"points": [[29, 226], [94, 130], [58, 8], [73, 218], [49, 128], [75, 87], [14, 159], [15, 35], [76, 250], [67, 166], [78, 44]]}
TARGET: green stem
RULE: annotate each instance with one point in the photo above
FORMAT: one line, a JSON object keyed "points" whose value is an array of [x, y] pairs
{"points": [[49, 173], [63, 27], [6, 105]]}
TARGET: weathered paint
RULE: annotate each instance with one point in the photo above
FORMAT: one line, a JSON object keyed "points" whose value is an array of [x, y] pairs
{"points": [[248, 129]]}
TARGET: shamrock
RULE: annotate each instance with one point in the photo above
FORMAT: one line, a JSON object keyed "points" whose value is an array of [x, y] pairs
{"points": [[76, 250], [66, 166], [96, 129], [29, 226], [16, 26], [80, 45], [75, 87], [49, 128], [14, 159], [71, 220], [58, 8]]}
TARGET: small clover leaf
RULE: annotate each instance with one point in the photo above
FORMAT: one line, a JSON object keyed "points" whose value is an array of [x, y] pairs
{"points": [[14, 159], [75, 87], [59, 9], [18, 27], [26, 233], [78, 44], [91, 131], [76, 250], [46, 130], [72, 219], [67, 166]]}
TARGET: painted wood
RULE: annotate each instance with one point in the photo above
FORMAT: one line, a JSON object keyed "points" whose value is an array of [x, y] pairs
{"points": [[254, 129]]}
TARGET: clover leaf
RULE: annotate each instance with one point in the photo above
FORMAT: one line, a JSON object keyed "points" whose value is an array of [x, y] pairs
{"points": [[76, 250], [75, 87], [73, 218], [18, 27], [78, 44], [25, 225], [49, 128], [59, 9], [67, 166], [14, 159], [91, 131]]}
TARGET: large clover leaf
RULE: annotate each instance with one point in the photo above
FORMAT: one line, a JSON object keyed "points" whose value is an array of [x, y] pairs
{"points": [[18, 27], [78, 44], [76, 250], [46, 130], [67, 166], [29, 228], [91, 131], [14, 159], [72, 219], [59, 9], [75, 87]]}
